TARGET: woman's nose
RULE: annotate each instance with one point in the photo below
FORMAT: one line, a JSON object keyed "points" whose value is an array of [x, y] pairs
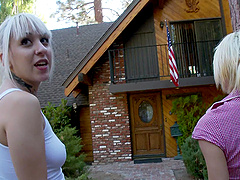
{"points": [[40, 49]]}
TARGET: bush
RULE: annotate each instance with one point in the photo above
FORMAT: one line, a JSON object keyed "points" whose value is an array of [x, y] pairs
{"points": [[188, 110], [74, 165], [82, 177], [59, 118], [193, 159]]}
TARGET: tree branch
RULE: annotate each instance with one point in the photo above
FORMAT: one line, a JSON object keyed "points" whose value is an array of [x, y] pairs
{"points": [[112, 11]]}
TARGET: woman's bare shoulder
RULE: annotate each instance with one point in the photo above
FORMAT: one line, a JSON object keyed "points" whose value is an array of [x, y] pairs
{"points": [[18, 104], [18, 98]]}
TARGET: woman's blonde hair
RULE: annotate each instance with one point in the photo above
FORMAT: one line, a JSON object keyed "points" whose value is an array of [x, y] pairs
{"points": [[226, 63], [17, 27]]}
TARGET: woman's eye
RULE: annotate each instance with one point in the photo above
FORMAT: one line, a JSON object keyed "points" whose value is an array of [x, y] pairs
{"points": [[25, 41], [44, 41]]}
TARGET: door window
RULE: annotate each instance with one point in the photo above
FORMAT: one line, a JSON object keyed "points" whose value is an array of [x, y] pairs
{"points": [[145, 112]]}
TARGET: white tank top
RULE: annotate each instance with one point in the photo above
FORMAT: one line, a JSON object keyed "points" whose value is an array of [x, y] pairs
{"points": [[54, 149]]}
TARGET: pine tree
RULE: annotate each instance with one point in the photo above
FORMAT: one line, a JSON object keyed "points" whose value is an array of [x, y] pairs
{"points": [[59, 118]]}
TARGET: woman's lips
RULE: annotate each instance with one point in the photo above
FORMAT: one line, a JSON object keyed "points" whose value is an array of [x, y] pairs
{"points": [[41, 64]]}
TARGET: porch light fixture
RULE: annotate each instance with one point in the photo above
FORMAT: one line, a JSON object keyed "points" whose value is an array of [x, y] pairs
{"points": [[74, 106], [161, 24]]}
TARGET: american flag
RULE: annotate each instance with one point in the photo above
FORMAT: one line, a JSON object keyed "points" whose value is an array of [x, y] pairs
{"points": [[172, 62]]}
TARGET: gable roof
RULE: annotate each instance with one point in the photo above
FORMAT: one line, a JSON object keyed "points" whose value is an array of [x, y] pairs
{"points": [[70, 46], [104, 43]]}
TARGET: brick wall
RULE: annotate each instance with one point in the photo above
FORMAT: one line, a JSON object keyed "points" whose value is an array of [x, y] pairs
{"points": [[109, 119]]}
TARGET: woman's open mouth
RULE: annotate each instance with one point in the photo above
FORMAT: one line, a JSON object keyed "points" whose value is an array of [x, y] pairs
{"points": [[41, 64]]}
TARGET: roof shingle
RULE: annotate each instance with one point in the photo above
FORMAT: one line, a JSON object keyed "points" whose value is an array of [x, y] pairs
{"points": [[70, 46]]}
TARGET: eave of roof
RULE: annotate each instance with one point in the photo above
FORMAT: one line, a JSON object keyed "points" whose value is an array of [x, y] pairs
{"points": [[72, 81]]}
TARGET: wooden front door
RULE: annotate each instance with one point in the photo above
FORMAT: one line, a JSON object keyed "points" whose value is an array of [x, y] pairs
{"points": [[147, 124]]}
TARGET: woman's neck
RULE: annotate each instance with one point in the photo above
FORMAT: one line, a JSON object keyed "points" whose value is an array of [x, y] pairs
{"points": [[21, 84]]}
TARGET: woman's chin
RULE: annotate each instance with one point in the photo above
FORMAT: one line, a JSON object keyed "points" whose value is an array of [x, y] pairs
{"points": [[44, 78]]}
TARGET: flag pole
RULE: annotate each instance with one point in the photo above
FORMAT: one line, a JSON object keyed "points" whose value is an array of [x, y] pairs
{"points": [[167, 45], [172, 61]]}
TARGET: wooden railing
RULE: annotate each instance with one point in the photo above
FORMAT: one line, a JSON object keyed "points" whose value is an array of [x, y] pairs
{"points": [[146, 63]]}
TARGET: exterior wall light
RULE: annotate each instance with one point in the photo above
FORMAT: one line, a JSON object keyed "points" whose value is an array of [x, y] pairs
{"points": [[161, 24]]}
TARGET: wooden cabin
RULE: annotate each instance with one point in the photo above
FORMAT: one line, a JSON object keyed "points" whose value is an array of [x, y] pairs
{"points": [[127, 80]]}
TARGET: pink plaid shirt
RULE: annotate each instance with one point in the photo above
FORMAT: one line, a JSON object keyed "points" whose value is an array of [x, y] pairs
{"points": [[221, 126]]}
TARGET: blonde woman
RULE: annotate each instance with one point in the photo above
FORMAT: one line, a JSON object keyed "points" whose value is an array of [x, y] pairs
{"points": [[218, 130], [29, 149]]}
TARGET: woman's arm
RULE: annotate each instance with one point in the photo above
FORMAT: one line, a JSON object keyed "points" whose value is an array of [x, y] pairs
{"points": [[25, 137], [215, 160]]}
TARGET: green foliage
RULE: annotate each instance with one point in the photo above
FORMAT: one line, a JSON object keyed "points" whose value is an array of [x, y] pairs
{"points": [[74, 11], [218, 98], [5, 9], [11, 7], [188, 110], [193, 159], [79, 11], [74, 165], [82, 177], [59, 118]]}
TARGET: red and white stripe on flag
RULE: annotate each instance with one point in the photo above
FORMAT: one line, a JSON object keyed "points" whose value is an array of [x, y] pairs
{"points": [[172, 62]]}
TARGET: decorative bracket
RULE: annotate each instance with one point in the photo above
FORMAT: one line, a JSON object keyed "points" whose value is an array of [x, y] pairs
{"points": [[192, 6]]}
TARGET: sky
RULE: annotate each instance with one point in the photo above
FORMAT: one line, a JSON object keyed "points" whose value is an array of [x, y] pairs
{"points": [[44, 8]]}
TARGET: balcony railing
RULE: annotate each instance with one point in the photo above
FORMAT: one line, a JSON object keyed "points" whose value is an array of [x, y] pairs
{"points": [[194, 59]]}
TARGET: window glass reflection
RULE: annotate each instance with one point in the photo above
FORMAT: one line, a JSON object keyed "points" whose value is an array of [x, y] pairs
{"points": [[145, 112]]}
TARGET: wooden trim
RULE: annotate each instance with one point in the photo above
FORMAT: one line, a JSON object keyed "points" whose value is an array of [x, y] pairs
{"points": [[68, 90], [225, 13], [154, 85], [164, 134], [76, 92], [223, 18], [84, 79]]}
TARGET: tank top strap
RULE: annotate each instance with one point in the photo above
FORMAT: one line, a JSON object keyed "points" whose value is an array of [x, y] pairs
{"points": [[9, 91]]}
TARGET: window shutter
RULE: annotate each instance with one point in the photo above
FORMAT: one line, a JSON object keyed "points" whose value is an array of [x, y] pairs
{"points": [[141, 53]]}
